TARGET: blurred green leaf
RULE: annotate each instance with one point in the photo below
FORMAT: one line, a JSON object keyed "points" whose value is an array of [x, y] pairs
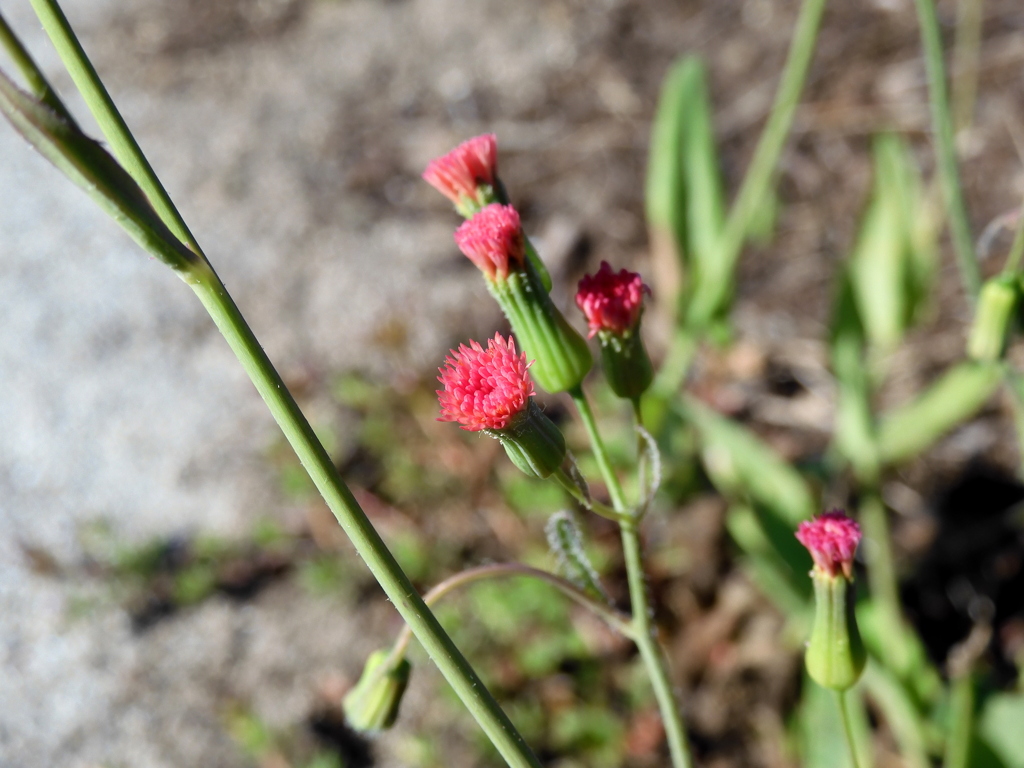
{"points": [[855, 437], [685, 195], [894, 257], [820, 729], [1001, 725], [955, 397], [900, 713], [740, 463], [784, 583], [84, 161]]}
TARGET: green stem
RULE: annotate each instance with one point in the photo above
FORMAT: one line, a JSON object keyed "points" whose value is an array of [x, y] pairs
{"points": [[34, 78], [453, 665], [757, 182], [614, 618], [882, 582], [562, 478], [844, 714], [961, 714], [113, 126], [945, 149], [966, 49], [1013, 259], [643, 631]]}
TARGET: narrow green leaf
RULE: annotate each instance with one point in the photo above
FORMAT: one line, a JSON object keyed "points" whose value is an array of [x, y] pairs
{"points": [[821, 738], [743, 463], [955, 397], [900, 713], [88, 165], [999, 724]]}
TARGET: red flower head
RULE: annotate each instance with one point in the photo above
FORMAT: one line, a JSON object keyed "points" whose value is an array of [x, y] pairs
{"points": [[493, 240], [458, 174], [611, 302], [484, 388], [832, 539]]}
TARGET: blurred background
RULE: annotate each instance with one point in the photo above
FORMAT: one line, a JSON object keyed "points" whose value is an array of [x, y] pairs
{"points": [[172, 591]]}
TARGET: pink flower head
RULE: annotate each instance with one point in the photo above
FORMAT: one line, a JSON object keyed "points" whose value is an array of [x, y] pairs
{"points": [[611, 302], [493, 240], [484, 388], [458, 174], [832, 539]]}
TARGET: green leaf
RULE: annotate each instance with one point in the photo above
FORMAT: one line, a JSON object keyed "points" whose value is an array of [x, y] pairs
{"points": [[739, 462], [955, 397], [84, 161], [900, 713], [894, 257], [999, 724], [685, 195], [822, 741]]}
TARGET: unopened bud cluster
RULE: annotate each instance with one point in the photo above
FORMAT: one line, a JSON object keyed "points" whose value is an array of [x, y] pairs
{"points": [[489, 389]]}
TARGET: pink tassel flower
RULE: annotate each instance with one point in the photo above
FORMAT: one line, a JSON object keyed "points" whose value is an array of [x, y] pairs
{"points": [[832, 540], [611, 301], [458, 174], [484, 388], [493, 240]]}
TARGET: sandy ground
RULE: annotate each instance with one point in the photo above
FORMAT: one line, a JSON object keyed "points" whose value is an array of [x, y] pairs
{"points": [[291, 134]]}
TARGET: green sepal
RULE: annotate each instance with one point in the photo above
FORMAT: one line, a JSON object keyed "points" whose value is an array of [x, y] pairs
{"points": [[993, 319], [835, 653], [372, 705], [532, 442], [627, 367], [560, 354]]}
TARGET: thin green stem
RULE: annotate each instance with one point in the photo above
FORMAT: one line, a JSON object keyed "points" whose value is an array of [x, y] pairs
{"points": [[371, 548], [966, 50], [945, 148], [614, 618], [758, 180], [961, 720], [109, 119], [34, 77], [600, 452], [562, 478], [643, 631], [1013, 259], [844, 714]]}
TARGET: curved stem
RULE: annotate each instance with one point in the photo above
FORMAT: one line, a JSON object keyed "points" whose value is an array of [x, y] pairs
{"points": [[442, 651], [614, 618], [643, 631], [844, 714], [562, 478], [945, 148]]}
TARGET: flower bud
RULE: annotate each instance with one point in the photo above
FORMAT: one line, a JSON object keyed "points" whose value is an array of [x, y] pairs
{"points": [[613, 305], [468, 175], [835, 653], [489, 390], [991, 329], [532, 441], [372, 704], [493, 240]]}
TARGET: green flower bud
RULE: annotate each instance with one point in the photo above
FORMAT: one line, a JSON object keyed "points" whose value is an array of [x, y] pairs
{"points": [[835, 653], [613, 303], [991, 329], [493, 240], [532, 441], [372, 705], [626, 364]]}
